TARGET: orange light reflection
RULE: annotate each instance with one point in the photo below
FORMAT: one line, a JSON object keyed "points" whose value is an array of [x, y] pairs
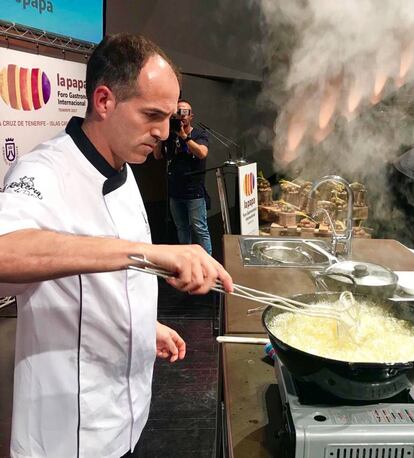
{"points": [[328, 102], [287, 156], [296, 130], [379, 85], [355, 95], [320, 134], [406, 61]]}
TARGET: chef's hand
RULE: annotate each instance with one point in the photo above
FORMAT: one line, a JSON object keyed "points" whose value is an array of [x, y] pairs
{"points": [[195, 271], [169, 343]]}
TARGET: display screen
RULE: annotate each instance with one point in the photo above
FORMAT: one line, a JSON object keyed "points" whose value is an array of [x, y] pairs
{"points": [[79, 19]]}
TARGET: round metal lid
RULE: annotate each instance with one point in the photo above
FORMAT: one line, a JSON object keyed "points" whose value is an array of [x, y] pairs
{"points": [[363, 273], [405, 163]]}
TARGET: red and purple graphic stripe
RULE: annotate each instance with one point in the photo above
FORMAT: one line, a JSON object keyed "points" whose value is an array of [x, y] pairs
{"points": [[249, 184], [24, 88]]}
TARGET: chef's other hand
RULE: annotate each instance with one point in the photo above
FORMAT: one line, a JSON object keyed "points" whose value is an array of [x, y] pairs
{"points": [[169, 343], [195, 270]]}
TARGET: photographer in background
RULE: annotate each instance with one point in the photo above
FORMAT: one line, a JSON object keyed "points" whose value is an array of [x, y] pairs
{"points": [[186, 150]]}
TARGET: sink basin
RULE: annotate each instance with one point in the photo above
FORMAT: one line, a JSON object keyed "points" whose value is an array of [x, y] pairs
{"points": [[284, 252]]}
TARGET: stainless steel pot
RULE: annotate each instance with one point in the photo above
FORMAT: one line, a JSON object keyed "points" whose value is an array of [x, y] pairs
{"points": [[360, 278]]}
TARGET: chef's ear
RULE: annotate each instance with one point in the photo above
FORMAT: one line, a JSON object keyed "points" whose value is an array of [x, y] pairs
{"points": [[104, 101]]}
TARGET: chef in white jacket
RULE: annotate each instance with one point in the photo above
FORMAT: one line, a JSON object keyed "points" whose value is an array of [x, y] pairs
{"points": [[71, 214]]}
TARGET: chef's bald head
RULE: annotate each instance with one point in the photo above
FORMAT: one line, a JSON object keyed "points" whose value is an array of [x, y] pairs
{"points": [[116, 63]]}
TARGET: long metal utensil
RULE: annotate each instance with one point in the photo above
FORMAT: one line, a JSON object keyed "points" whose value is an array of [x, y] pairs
{"points": [[346, 316]]}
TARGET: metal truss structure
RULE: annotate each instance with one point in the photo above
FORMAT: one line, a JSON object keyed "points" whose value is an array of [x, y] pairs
{"points": [[10, 30]]}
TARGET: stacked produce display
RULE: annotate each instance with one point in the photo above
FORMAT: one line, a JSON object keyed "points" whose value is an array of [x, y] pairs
{"points": [[293, 213]]}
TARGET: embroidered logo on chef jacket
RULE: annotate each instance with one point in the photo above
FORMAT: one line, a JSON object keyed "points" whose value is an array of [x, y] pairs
{"points": [[26, 186]]}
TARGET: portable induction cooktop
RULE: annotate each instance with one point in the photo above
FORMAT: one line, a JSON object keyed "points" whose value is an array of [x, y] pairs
{"points": [[320, 425]]}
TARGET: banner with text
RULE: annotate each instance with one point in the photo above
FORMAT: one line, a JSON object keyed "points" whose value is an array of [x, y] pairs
{"points": [[38, 96], [249, 216]]}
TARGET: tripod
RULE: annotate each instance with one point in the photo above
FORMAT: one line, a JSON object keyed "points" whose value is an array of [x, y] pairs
{"points": [[228, 143], [231, 163]]}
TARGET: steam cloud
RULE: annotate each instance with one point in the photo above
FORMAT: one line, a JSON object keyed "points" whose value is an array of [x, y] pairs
{"points": [[341, 73]]}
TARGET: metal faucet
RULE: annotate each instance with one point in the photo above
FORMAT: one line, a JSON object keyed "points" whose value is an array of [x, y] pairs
{"points": [[345, 238]]}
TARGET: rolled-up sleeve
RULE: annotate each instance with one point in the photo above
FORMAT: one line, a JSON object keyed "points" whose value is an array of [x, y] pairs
{"points": [[31, 199]]}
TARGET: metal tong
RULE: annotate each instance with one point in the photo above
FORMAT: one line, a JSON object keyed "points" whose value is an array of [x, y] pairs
{"points": [[346, 315]]}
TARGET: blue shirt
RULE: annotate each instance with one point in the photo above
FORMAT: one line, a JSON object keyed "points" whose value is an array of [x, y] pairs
{"points": [[185, 170]]}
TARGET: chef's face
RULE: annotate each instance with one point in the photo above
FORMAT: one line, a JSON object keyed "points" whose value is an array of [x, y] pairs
{"points": [[135, 126]]}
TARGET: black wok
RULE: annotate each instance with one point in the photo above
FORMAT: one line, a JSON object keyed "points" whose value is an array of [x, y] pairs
{"points": [[347, 380]]}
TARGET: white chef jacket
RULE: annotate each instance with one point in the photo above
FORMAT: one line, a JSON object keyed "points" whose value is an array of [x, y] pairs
{"points": [[85, 344]]}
